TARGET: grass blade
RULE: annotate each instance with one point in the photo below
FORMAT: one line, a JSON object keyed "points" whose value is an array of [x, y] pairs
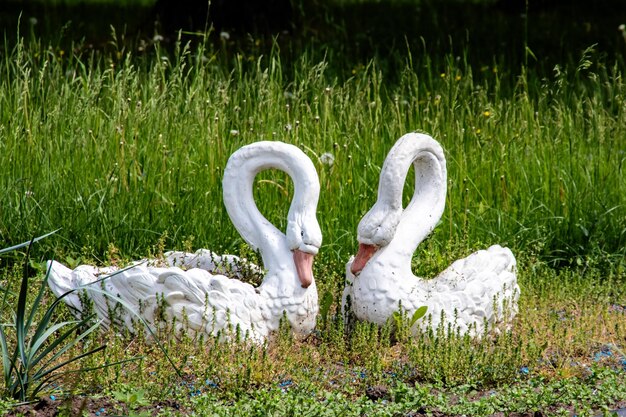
{"points": [[30, 242], [65, 348]]}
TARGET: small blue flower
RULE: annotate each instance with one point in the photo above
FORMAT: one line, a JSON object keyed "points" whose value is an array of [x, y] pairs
{"points": [[524, 370], [285, 383], [605, 352], [53, 398], [97, 413]]}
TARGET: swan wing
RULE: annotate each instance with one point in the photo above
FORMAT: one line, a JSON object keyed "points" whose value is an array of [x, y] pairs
{"points": [[480, 287], [229, 265], [210, 303], [194, 299]]}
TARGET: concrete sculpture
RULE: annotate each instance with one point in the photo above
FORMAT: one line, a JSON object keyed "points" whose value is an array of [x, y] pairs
{"points": [[473, 291], [190, 289]]}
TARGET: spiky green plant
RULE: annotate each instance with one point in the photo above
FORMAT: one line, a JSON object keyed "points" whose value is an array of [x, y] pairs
{"points": [[34, 356]]}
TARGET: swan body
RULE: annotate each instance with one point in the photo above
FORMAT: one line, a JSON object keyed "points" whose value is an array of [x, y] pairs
{"points": [[481, 288], [191, 289]]}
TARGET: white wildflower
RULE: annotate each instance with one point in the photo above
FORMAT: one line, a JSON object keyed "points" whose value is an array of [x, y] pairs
{"points": [[224, 36], [234, 132]]}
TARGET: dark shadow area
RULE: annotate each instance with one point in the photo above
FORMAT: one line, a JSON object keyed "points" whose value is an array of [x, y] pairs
{"points": [[534, 33]]}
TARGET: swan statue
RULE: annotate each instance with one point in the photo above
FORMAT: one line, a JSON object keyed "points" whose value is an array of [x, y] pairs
{"points": [[470, 293], [191, 290]]}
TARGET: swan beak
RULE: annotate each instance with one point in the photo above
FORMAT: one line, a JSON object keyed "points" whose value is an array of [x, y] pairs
{"points": [[362, 257], [304, 266]]}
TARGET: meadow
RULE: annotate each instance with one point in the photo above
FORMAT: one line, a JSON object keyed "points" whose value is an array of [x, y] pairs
{"points": [[121, 146]]}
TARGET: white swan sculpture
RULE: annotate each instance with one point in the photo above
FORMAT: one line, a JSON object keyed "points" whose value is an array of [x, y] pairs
{"points": [[471, 292], [206, 303]]}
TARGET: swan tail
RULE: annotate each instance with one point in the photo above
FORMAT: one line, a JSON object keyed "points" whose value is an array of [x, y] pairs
{"points": [[482, 287], [62, 280]]}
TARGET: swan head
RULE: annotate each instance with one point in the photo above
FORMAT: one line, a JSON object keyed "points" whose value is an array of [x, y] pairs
{"points": [[304, 238], [376, 229]]}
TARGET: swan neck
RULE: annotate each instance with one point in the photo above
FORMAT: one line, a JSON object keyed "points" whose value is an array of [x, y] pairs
{"points": [[427, 204], [238, 183]]}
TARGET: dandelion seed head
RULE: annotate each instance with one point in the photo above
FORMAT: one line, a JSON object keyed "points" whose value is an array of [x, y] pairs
{"points": [[224, 36], [327, 158]]}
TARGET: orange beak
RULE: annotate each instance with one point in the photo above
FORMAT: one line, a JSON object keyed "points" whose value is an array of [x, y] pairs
{"points": [[304, 267], [362, 257]]}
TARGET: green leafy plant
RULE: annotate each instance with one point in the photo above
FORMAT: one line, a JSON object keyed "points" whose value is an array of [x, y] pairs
{"points": [[33, 353], [403, 324], [133, 398]]}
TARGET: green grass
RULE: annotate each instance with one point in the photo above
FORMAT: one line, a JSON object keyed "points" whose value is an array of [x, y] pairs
{"points": [[124, 151], [86, 137]]}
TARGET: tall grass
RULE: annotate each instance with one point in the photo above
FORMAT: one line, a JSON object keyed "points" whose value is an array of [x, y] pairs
{"points": [[122, 150]]}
